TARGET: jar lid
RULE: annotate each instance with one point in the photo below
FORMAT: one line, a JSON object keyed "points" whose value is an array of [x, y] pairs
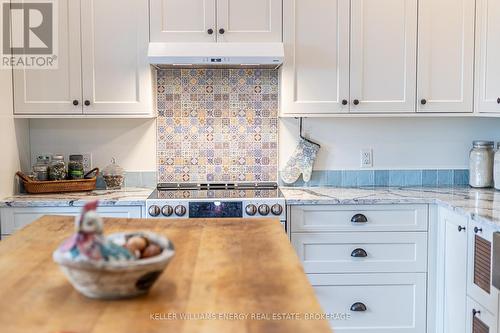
{"points": [[76, 157], [113, 169], [58, 157], [483, 144]]}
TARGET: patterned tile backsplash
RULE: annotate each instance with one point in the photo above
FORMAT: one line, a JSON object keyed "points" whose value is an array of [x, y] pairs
{"points": [[217, 125]]}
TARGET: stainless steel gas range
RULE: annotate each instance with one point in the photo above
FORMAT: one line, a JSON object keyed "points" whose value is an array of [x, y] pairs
{"points": [[215, 200]]}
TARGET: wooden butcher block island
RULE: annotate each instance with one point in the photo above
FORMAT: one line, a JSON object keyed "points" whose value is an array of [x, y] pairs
{"points": [[227, 276]]}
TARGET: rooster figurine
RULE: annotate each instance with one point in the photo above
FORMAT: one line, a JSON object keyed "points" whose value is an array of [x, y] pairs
{"points": [[88, 243]]}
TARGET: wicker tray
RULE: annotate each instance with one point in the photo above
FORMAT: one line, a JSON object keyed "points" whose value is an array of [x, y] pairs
{"points": [[58, 186]]}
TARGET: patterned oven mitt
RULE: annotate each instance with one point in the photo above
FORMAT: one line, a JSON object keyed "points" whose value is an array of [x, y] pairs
{"points": [[301, 162]]}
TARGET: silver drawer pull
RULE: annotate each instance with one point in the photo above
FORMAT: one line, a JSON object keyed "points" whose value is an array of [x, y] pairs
{"points": [[359, 253], [358, 307], [359, 218]]}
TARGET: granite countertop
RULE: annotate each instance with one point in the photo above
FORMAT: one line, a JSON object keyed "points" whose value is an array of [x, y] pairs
{"points": [[130, 196], [482, 205]]}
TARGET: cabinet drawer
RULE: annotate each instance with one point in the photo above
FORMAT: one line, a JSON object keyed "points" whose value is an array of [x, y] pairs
{"points": [[359, 218], [364, 252], [394, 303], [13, 219], [479, 275]]}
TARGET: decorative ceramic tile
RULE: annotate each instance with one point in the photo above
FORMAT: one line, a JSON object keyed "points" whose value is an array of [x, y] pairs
{"points": [[217, 125]]}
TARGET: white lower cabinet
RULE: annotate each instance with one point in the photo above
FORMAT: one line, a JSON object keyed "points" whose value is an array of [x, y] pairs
{"points": [[454, 274], [375, 303], [367, 264], [13, 219], [479, 320]]}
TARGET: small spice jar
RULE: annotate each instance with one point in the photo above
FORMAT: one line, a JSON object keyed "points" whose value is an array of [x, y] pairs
{"points": [[481, 159], [41, 168], [75, 167], [57, 168], [113, 176], [496, 168]]}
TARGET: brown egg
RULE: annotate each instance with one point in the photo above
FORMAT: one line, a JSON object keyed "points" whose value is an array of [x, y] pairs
{"points": [[151, 250], [137, 243]]}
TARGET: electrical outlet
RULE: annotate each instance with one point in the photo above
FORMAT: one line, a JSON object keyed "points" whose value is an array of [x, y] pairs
{"points": [[366, 158], [87, 161]]}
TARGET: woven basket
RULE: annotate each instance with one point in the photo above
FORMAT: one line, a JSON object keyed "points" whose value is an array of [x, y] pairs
{"points": [[58, 186], [114, 280]]}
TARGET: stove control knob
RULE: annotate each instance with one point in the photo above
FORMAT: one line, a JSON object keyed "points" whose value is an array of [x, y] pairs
{"points": [[277, 209], [264, 210], [180, 210], [154, 210], [251, 210], [167, 211]]}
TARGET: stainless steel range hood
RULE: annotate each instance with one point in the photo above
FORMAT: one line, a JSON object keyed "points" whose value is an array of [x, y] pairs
{"points": [[216, 55]]}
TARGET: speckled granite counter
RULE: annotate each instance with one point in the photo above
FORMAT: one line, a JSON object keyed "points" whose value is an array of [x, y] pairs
{"points": [[481, 205], [125, 197]]}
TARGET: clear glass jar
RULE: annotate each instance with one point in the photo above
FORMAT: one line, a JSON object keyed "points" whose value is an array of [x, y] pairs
{"points": [[113, 176], [75, 167], [41, 168], [481, 159], [57, 168], [496, 168]]}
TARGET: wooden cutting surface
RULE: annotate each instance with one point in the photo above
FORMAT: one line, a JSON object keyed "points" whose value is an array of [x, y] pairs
{"points": [[227, 276]]}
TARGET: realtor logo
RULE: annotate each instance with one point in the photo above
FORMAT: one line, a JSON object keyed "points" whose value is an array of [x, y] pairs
{"points": [[29, 34]]}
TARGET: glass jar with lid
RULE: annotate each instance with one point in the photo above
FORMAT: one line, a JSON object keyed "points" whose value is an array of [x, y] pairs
{"points": [[496, 168], [57, 168], [75, 167], [113, 176], [41, 168], [481, 159]]}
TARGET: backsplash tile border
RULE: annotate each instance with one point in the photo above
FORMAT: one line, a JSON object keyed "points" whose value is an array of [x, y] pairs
{"points": [[384, 178]]}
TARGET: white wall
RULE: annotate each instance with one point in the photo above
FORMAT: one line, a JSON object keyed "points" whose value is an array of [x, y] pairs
{"points": [[131, 141], [398, 143], [14, 139]]}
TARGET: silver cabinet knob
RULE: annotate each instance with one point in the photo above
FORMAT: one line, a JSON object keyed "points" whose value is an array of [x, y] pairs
{"points": [[167, 211], [180, 210], [277, 209], [264, 210], [154, 210], [251, 210]]}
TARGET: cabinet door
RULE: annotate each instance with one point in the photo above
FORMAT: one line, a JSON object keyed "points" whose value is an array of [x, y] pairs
{"points": [[182, 21], [479, 275], [116, 73], [315, 75], [249, 21], [479, 320], [383, 55], [53, 91], [488, 53], [446, 55], [455, 271]]}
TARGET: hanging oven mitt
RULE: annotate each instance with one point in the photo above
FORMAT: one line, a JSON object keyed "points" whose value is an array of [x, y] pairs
{"points": [[301, 162]]}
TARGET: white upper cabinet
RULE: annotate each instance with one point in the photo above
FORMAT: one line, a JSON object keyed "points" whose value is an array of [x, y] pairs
{"points": [[315, 75], [383, 55], [446, 56], [44, 91], [187, 21], [103, 68], [249, 21], [115, 69], [183, 20], [487, 56]]}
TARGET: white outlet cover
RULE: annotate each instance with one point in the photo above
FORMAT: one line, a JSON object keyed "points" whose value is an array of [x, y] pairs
{"points": [[367, 158], [87, 161]]}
